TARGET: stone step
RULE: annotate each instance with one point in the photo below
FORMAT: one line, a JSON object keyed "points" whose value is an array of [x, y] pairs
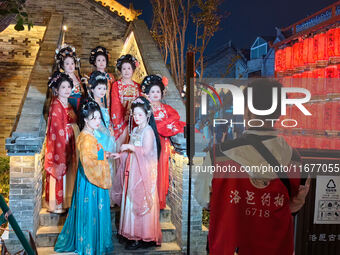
{"points": [[166, 248], [52, 219], [47, 235]]}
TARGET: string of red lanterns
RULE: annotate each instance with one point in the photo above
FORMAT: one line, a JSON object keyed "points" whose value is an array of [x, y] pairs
{"points": [[320, 48], [309, 64]]}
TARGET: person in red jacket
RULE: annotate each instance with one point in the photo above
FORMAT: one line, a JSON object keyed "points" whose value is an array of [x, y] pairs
{"points": [[251, 212]]}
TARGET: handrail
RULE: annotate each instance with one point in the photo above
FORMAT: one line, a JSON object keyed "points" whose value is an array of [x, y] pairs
{"points": [[8, 216]]}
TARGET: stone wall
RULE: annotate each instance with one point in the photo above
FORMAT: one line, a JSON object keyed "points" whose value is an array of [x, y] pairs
{"points": [[25, 195], [18, 53], [178, 202]]}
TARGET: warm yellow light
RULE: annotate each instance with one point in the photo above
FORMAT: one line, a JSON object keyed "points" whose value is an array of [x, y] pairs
{"points": [[65, 28]]}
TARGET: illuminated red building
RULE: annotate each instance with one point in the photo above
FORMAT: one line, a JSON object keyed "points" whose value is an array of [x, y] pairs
{"points": [[309, 57]]}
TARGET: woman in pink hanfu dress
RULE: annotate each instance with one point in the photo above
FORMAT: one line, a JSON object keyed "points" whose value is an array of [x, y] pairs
{"points": [[135, 183]]}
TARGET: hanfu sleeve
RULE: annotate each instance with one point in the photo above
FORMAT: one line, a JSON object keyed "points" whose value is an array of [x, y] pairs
{"points": [[96, 170], [117, 113], [56, 141], [171, 125], [146, 169]]}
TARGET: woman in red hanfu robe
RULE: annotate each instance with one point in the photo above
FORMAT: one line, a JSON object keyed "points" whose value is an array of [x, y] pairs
{"points": [[123, 92], [168, 124], [60, 155]]}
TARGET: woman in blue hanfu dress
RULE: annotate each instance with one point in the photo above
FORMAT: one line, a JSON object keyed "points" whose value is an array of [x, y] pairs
{"points": [[88, 229], [104, 134]]}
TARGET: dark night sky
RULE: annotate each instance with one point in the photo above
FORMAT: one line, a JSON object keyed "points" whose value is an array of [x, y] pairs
{"points": [[249, 18]]}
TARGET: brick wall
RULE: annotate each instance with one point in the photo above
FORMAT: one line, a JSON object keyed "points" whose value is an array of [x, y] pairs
{"points": [[178, 202], [25, 194]]}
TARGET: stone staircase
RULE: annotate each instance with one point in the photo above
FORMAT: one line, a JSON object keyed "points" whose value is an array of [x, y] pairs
{"points": [[51, 225]]}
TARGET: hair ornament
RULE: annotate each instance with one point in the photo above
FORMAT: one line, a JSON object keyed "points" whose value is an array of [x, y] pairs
{"points": [[99, 50], [53, 80], [165, 81], [65, 51], [100, 77], [138, 101], [128, 58]]}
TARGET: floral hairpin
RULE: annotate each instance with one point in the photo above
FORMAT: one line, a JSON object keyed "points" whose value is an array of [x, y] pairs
{"points": [[54, 79], [165, 81], [100, 77], [138, 101]]}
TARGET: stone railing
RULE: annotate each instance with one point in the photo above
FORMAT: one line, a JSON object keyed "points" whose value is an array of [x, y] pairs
{"points": [[25, 146]]}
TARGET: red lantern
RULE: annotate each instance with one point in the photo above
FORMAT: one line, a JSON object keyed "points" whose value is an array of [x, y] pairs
{"points": [[333, 42], [337, 42], [288, 56], [322, 47], [308, 51], [307, 80], [315, 47], [278, 60], [298, 54], [332, 83], [327, 118], [295, 54], [336, 115], [283, 60], [319, 81], [310, 119], [296, 83], [318, 116]]}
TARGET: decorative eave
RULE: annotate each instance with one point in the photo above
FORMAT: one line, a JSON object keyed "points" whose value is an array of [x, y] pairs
{"points": [[294, 33], [129, 14]]}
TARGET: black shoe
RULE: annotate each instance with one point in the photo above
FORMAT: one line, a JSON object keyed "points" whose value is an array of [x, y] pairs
{"points": [[134, 245], [148, 244], [121, 239]]}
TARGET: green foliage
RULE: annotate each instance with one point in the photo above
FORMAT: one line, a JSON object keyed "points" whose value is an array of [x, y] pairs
{"points": [[4, 177], [205, 217], [17, 7]]}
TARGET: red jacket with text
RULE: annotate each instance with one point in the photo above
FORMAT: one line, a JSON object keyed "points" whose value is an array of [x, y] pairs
{"points": [[250, 212]]}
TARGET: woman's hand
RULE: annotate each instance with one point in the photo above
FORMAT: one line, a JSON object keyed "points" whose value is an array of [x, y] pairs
{"points": [[115, 155], [299, 200], [112, 155], [127, 147]]}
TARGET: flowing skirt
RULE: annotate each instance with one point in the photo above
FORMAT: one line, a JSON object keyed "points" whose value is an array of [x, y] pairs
{"points": [[144, 225], [104, 137], [163, 172], [87, 229]]}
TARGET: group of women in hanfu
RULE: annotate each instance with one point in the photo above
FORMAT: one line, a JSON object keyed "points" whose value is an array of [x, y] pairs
{"points": [[107, 144]]}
